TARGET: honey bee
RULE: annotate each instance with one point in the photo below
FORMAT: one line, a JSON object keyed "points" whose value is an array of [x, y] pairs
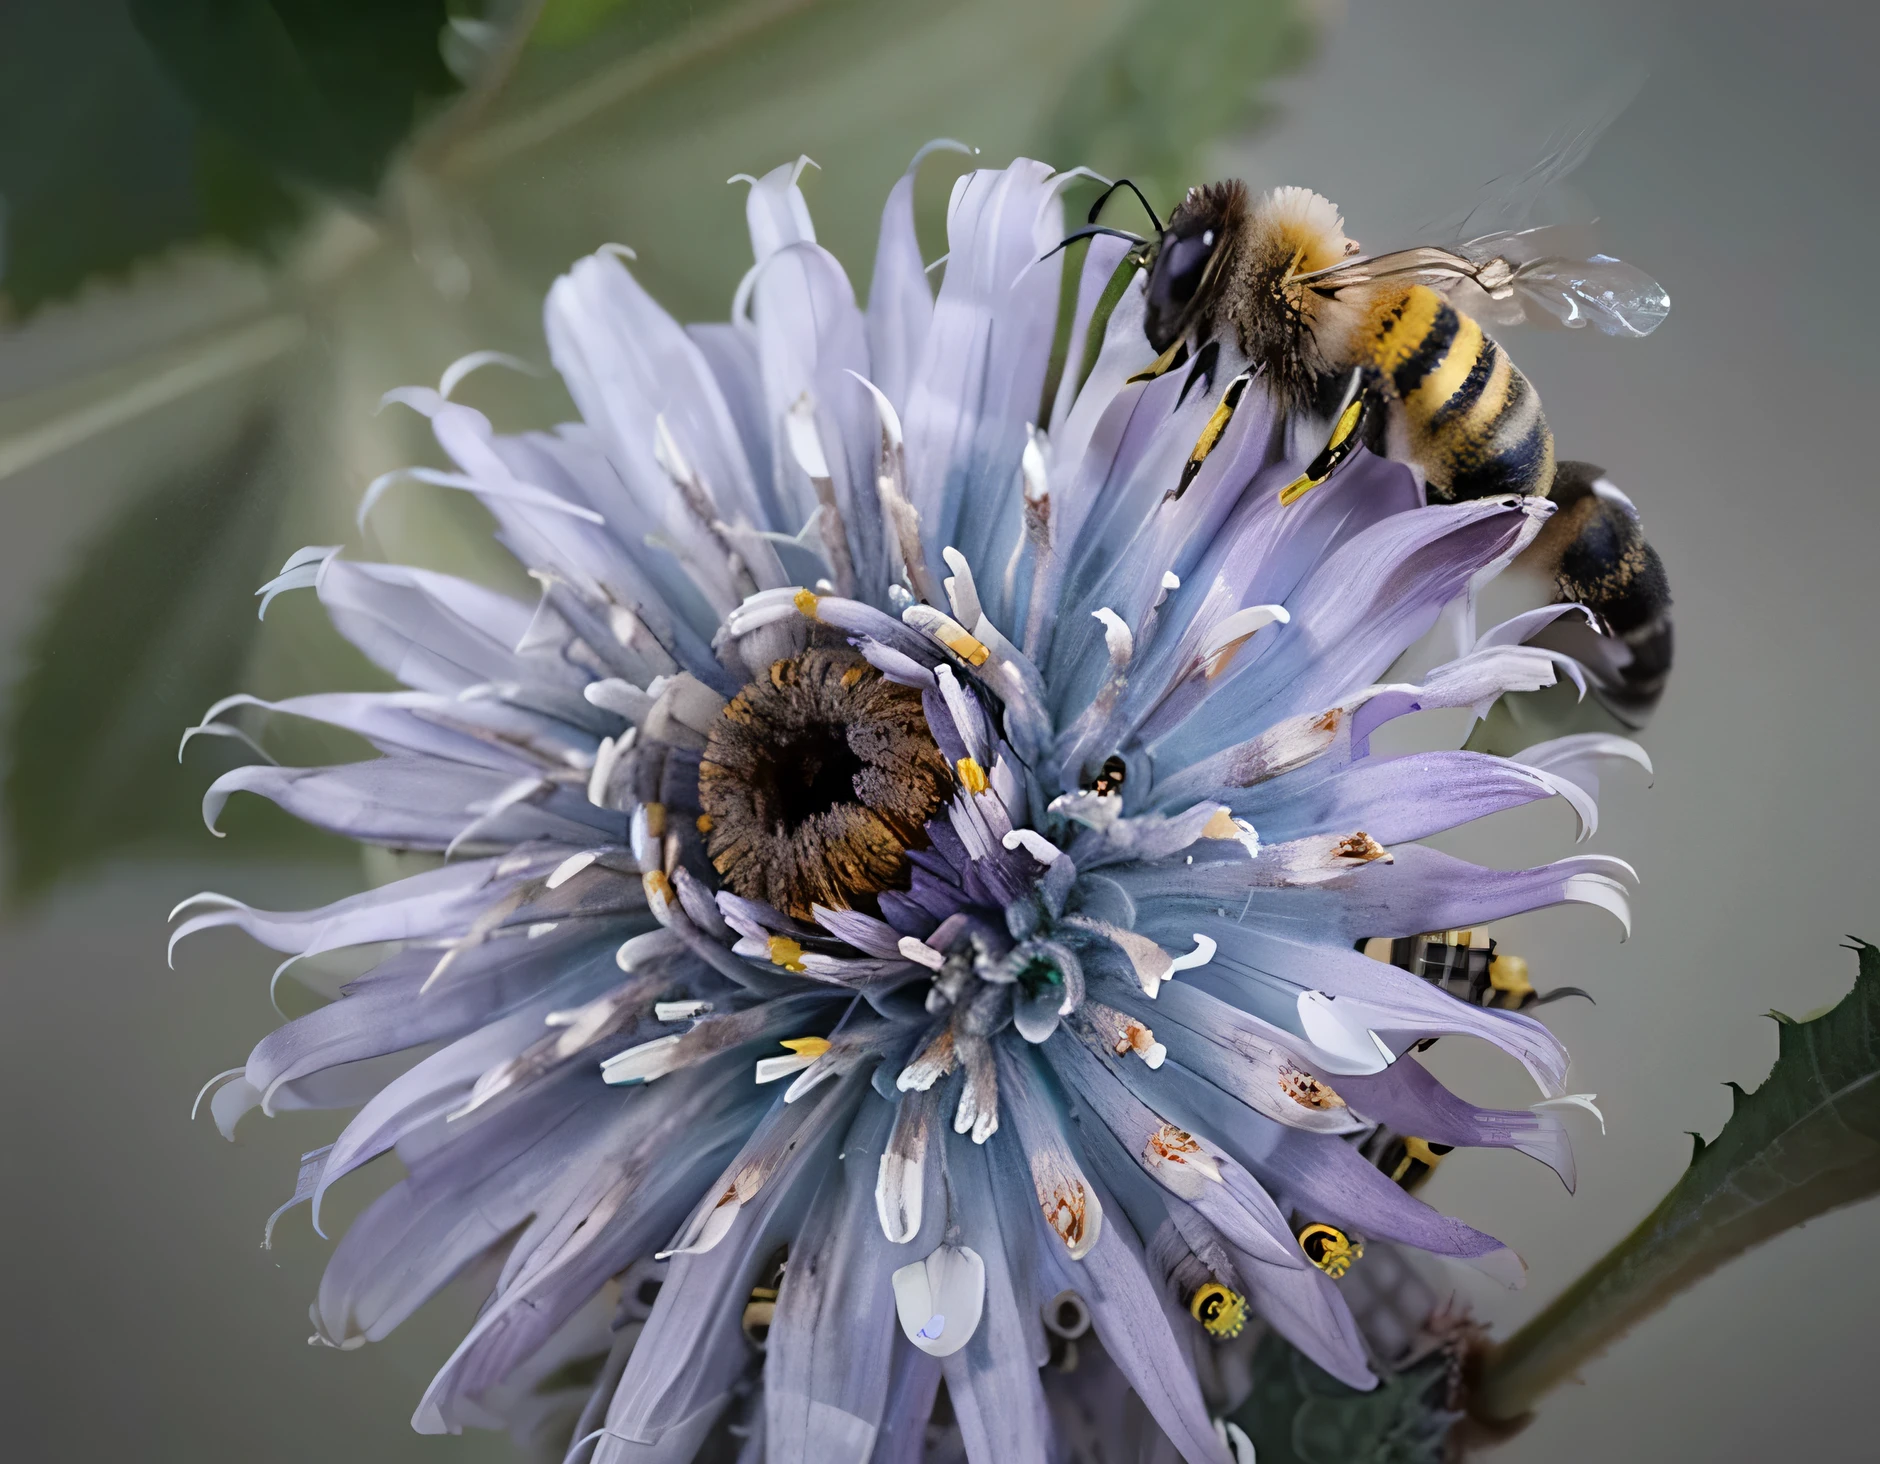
{"points": [[1390, 349], [761, 1309], [1468, 965], [1404, 1158]]}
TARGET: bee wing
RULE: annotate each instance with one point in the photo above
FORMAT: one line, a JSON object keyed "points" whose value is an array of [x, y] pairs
{"points": [[1516, 275], [1438, 268], [1508, 279]]}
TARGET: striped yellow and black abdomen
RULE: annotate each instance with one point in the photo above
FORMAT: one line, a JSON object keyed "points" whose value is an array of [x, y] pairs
{"points": [[1474, 422]]}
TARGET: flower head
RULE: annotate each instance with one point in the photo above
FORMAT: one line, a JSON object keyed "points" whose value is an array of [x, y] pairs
{"points": [[903, 883]]}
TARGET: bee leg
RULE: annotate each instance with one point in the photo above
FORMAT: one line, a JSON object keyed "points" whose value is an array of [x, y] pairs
{"points": [[1163, 364], [1594, 551], [1347, 437], [1211, 433]]}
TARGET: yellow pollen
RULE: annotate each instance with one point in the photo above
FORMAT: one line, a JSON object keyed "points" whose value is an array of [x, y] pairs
{"points": [[1221, 1312], [810, 1047], [972, 775], [656, 820], [1330, 1249], [658, 888], [788, 954], [956, 639], [1221, 826], [805, 603], [703, 823]]}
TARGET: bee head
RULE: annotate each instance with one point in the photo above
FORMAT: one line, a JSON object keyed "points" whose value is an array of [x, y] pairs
{"points": [[1188, 258]]}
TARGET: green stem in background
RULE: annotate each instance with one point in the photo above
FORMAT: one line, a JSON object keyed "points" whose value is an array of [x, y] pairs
{"points": [[1805, 1142]]}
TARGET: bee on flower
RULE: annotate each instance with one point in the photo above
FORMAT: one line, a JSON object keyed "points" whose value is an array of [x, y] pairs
{"points": [[898, 917]]}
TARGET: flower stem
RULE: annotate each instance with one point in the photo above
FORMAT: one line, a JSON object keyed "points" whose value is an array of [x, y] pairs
{"points": [[1626, 1285]]}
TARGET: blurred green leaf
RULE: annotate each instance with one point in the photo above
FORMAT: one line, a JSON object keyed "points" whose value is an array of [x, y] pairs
{"points": [[1175, 77], [96, 150], [1805, 1142], [151, 627], [563, 22], [129, 127], [1300, 1414], [321, 89]]}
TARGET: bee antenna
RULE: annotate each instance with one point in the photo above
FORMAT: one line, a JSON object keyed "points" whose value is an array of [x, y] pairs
{"points": [[1562, 991], [1075, 235], [1104, 197]]}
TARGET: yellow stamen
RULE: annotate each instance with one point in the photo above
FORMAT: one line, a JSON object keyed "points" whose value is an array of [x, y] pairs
{"points": [[658, 888], [805, 603], [972, 775], [703, 823], [788, 954], [810, 1047], [656, 820], [1330, 1249], [1221, 1312], [1221, 826], [963, 644]]}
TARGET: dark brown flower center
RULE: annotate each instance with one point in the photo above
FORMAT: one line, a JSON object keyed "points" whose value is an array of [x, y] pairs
{"points": [[818, 779]]}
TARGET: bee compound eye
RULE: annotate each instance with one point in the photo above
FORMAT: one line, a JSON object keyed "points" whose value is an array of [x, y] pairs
{"points": [[1066, 1315], [1178, 270]]}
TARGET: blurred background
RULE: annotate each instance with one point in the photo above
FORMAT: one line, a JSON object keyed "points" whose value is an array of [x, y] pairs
{"points": [[227, 226]]}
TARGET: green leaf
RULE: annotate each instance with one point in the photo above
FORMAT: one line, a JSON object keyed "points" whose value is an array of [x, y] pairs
{"points": [[1300, 1414], [1805, 1142], [96, 150], [153, 625], [126, 129], [323, 90]]}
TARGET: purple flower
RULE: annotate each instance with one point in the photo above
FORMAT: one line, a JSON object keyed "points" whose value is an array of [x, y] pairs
{"points": [[901, 886]]}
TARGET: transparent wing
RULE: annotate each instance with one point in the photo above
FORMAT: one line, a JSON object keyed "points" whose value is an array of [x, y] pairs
{"points": [[1509, 200], [1527, 275], [1551, 270]]}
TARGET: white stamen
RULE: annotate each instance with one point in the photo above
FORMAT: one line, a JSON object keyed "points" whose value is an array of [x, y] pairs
{"points": [[571, 866], [1573, 1100], [679, 1011], [1203, 952], [541, 928], [1033, 843], [769, 1069], [1033, 467], [622, 698], [1226, 636], [919, 952], [1116, 637], [648, 1061]]}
